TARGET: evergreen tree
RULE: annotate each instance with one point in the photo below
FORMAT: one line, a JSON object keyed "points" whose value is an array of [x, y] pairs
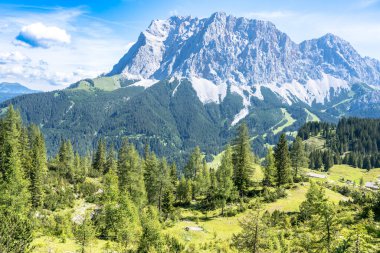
{"points": [[85, 233], [167, 203], [14, 193], [39, 166], [184, 191], [194, 166], [224, 177], [131, 174], [282, 162], [242, 160], [173, 175], [269, 169], [151, 169], [315, 198], [151, 239], [298, 156], [253, 237], [100, 160], [164, 184]]}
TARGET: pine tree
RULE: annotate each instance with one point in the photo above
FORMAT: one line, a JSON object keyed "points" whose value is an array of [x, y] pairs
{"points": [[39, 166], [224, 177], [184, 191], [253, 238], [315, 198], [151, 174], [269, 169], [100, 159], [131, 173], [85, 233], [111, 185], [127, 224], [282, 161], [297, 155], [151, 239], [167, 203], [242, 160], [194, 166], [163, 182], [14, 193], [173, 175]]}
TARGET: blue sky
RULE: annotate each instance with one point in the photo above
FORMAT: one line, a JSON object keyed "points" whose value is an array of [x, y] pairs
{"points": [[50, 44]]}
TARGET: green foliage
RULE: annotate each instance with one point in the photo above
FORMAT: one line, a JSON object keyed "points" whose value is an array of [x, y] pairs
{"points": [[282, 162], [15, 232], [242, 160], [85, 233], [269, 169], [224, 174], [298, 156]]}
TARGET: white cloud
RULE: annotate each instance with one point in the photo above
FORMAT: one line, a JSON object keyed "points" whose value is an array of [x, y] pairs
{"points": [[13, 57], [40, 35]]}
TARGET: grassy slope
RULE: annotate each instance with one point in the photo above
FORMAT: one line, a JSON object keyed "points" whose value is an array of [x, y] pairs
{"points": [[347, 172], [288, 120], [311, 116]]}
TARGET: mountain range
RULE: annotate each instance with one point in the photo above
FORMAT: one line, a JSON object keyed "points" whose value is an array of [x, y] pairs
{"points": [[190, 81], [11, 90]]}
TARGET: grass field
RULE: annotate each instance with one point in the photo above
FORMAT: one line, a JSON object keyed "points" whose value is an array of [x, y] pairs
{"points": [[311, 116], [296, 196], [288, 120], [47, 244], [315, 142], [346, 172]]}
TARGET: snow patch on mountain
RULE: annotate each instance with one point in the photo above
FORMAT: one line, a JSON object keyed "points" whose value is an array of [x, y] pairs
{"points": [[318, 91], [207, 91], [146, 83]]}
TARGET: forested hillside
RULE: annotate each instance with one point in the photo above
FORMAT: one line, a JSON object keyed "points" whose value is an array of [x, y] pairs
{"points": [[353, 141], [119, 201]]}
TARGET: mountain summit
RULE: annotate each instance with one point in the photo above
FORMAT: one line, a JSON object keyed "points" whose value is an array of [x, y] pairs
{"points": [[231, 50], [190, 81]]}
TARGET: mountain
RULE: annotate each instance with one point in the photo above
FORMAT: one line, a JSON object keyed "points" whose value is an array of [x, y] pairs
{"points": [[190, 81], [11, 90]]}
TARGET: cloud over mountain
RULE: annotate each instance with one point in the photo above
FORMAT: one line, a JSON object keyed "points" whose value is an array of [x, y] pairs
{"points": [[40, 35]]}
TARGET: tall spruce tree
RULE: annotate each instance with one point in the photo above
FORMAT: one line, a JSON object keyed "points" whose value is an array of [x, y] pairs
{"points": [[14, 193], [224, 175], [100, 158], [298, 157], [269, 169], [131, 173], [39, 166], [282, 162], [242, 159], [151, 174]]}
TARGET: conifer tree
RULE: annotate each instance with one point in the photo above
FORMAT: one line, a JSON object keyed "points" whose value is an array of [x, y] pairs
{"points": [[151, 239], [39, 166], [164, 184], [194, 166], [282, 162], [297, 155], [85, 233], [167, 203], [269, 169], [253, 238], [131, 173], [173, 175], [224, 177], [242, 160], [100, 158], [14, 193], [151, 174]]}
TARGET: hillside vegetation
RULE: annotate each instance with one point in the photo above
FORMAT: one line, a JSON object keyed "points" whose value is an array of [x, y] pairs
{"points": [[121, 201]]}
